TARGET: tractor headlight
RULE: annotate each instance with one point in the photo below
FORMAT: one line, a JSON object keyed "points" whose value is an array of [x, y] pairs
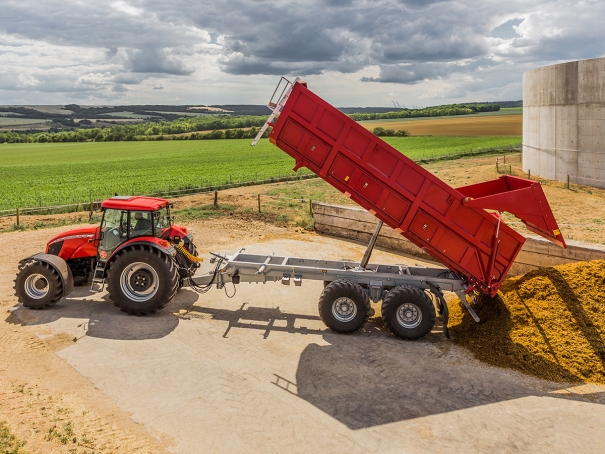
{"points": [[55, 248]]}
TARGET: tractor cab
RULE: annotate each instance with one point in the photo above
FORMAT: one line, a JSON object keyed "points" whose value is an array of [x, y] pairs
{"points": [[127, 218]]}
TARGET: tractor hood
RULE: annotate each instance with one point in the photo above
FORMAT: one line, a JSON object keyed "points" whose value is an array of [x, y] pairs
{"points": [[74, 244], [85, 233]]}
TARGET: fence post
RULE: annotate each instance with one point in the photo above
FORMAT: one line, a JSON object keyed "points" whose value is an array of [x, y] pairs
{"points": [[567, 181], [529, 174], [259, 203], [311, 207], [215, 199], [17, 217], [510, 170], [504, 159], [90, 214], [497, 166]]}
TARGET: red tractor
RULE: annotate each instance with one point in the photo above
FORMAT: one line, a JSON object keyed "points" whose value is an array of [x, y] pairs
{"points": [[137, 251]]}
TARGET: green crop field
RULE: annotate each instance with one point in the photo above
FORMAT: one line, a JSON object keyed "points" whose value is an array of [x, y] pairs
{"points": [[54, 174]]}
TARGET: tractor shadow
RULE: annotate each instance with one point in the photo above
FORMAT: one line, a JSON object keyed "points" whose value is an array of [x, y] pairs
{"points": [[84, 312]]}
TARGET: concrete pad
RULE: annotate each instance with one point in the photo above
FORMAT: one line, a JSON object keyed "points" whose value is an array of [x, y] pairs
{"points": [[259, 372]]}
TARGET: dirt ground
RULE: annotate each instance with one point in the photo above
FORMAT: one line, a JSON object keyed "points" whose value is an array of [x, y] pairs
{"points": [[45, 401], [260, 372]]}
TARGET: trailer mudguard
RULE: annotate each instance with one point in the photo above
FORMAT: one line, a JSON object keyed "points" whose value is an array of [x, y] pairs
{"points": [[58, 264]]}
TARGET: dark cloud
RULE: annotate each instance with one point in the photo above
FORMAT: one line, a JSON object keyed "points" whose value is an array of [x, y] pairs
{"points": [[156, 61], [123, 43]]}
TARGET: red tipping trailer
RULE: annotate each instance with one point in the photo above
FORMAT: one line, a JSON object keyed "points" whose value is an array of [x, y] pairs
{"points": [[449, 224]]}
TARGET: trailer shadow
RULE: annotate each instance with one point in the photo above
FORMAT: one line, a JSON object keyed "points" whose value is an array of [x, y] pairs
{"points": [[369, 380], [260, 318], [101, 319]]}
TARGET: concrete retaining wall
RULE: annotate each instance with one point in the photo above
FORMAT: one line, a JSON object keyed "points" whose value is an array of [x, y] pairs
{"points": [[358, 225]]}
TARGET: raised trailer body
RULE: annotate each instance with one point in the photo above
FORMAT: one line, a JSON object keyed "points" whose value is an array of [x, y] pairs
{"points": [[449, 224]]}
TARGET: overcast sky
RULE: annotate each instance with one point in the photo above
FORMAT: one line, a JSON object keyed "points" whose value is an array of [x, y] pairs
{"points": [[353, 53]]}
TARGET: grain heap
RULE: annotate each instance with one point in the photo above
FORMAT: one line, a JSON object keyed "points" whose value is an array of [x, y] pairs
{"points": [[549, 323]]}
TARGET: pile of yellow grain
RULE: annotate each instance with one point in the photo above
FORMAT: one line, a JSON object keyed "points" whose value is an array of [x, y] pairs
{"points": [[549, 323]]}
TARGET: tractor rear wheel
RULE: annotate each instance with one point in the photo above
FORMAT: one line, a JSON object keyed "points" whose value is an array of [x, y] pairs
{"points": [[142, 280], [344, 306], [38, 285], [408, 312]]}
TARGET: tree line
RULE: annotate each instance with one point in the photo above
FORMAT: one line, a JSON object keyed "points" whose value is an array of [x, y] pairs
{"points": [[219, 127], [117, 134], [437, 111]]}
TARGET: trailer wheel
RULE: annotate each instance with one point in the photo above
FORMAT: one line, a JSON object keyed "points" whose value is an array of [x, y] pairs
{"points": [[408, 313], [142, 280], [38, 285], [344, 306]]}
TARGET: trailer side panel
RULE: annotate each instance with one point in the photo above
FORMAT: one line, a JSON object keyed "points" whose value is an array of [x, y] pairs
{"points": [[396, 190]]}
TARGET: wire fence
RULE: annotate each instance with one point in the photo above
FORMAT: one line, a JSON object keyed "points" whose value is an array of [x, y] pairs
{"points": [[504, 164], [303, 174]]}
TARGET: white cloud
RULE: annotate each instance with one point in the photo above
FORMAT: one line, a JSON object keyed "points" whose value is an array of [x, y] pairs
{"points": [[231, 51]]}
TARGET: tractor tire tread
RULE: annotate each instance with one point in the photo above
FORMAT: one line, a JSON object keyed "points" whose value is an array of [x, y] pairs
{"points": [[51, 273], [394, 299], [157, 302]]}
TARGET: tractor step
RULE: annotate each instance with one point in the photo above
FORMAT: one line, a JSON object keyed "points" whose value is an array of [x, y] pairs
{"points": [[98, 277]]}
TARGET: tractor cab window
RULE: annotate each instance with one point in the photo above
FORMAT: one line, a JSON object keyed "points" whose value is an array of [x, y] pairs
{"points": [[140, 223], [113, 229], [161, 219]]}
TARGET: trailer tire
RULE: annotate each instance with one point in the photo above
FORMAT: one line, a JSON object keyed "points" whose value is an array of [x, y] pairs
{"points": [[38, 285], [344, 306], [142, 280], [408, 312]]}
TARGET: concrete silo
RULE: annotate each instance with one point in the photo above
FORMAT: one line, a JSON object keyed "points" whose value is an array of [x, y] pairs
{"points": [[564, 122]]}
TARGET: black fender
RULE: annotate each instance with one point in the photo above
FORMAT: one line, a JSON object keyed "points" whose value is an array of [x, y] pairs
{"points": [[58, 264], [170, 251]]}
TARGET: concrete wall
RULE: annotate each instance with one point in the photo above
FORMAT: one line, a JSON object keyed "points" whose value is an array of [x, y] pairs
{"points": [[357, 224], [564, 122]]}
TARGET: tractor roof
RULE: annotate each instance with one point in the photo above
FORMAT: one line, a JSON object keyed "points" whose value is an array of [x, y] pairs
{"points": [[134, 203]]}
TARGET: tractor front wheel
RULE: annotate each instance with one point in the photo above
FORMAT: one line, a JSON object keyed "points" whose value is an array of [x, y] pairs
{"points": [[142, 280], [38, 285]]}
